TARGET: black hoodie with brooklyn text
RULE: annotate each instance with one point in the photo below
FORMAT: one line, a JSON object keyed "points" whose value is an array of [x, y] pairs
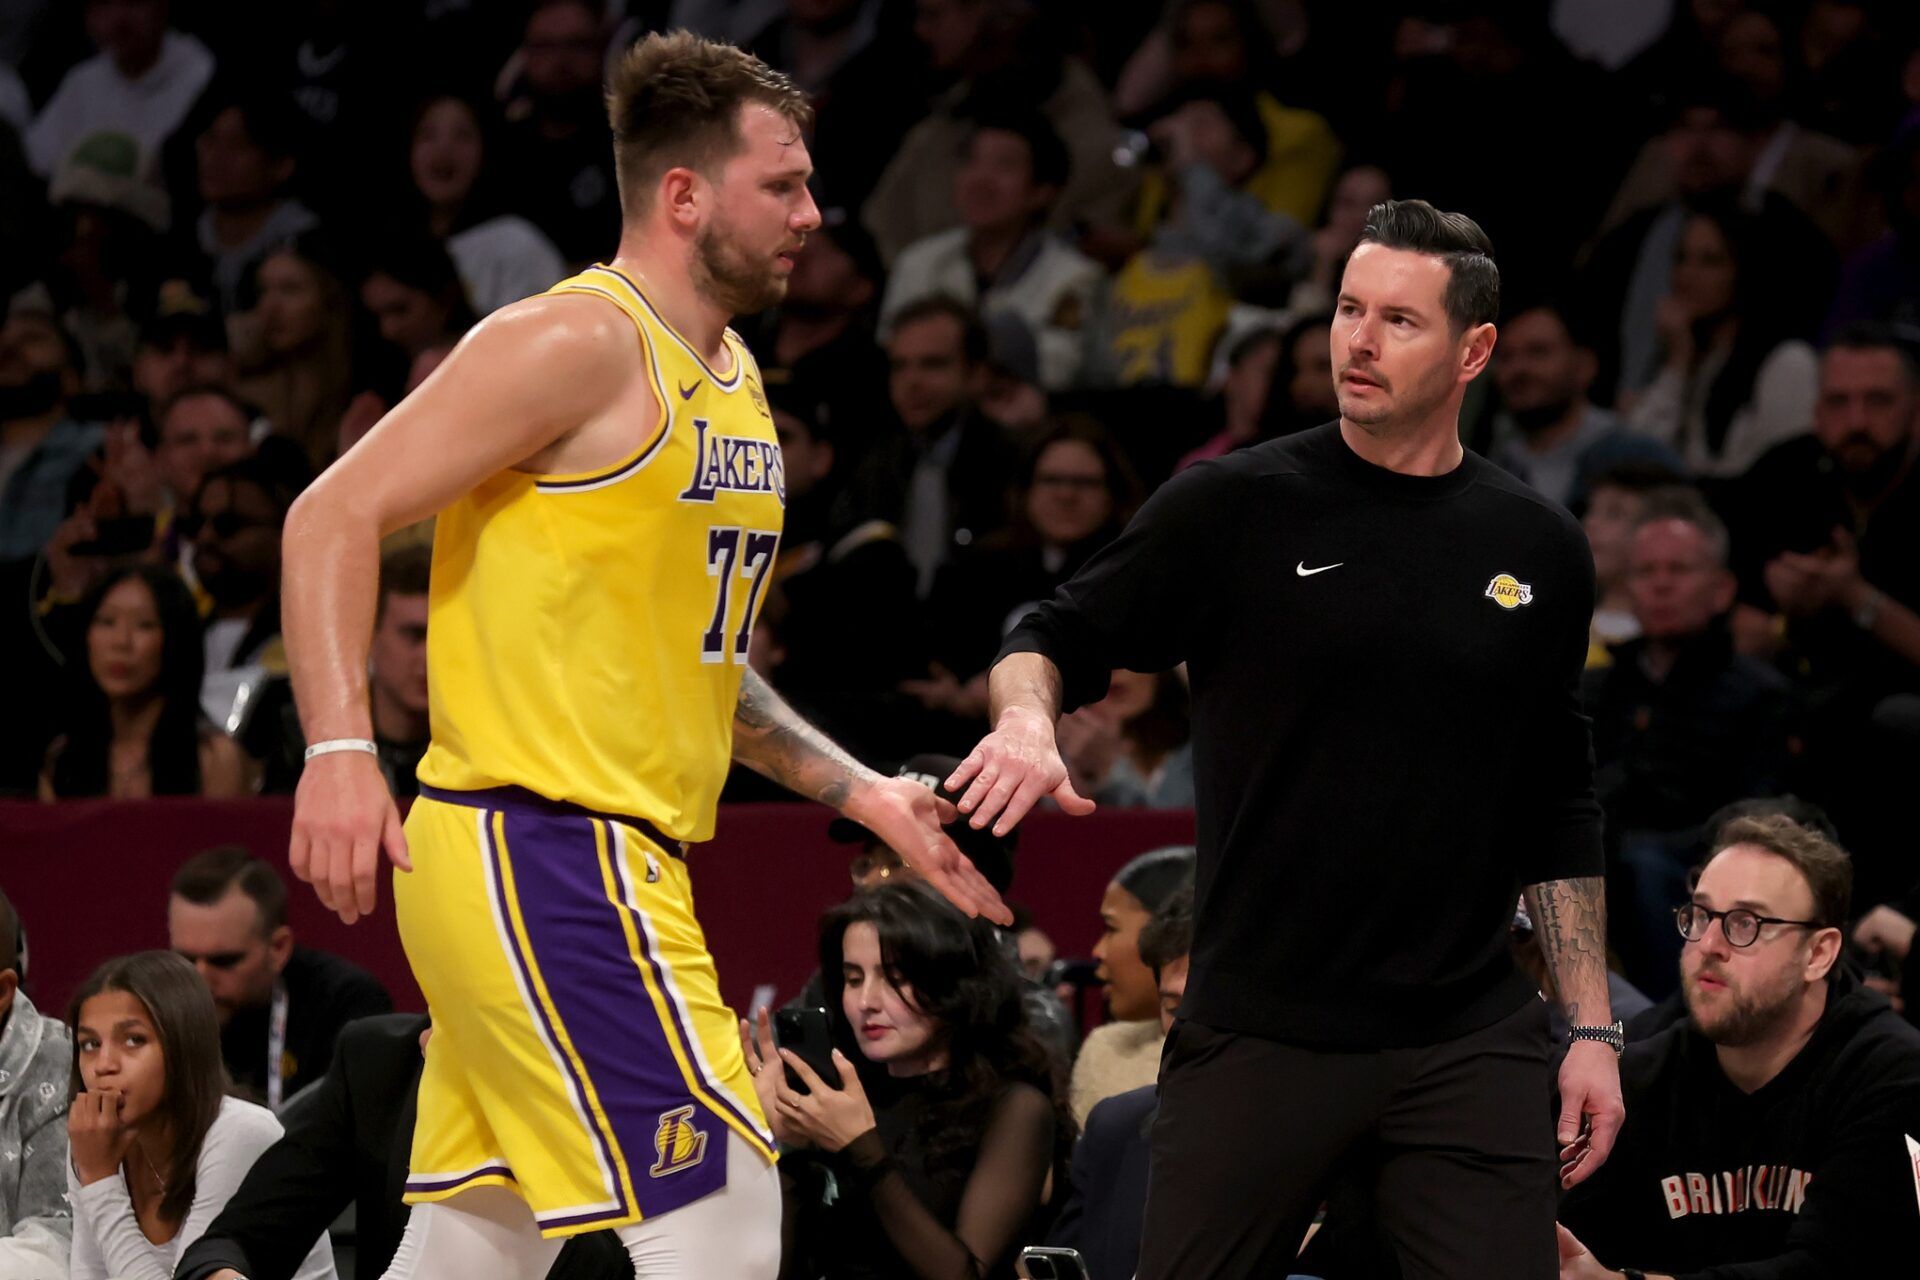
{"points": [[1815, 1174]]}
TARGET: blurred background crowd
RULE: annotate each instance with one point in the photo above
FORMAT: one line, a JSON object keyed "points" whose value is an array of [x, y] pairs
{"points": [[1068, 249]]}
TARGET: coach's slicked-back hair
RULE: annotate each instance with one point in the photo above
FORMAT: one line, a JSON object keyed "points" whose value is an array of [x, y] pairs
{"points": [[1473, 289], [674, 101]]}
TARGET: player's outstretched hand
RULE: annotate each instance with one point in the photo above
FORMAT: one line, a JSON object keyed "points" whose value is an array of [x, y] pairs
{"points": [[908, 818], [1011, 769], [343, 817]]}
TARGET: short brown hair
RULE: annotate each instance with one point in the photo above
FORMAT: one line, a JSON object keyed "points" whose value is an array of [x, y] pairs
{"points": [[404, 571], [1823, 864], [674, 101], [206, 878]]}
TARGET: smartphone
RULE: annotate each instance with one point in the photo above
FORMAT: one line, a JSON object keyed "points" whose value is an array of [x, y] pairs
{"points": [[810, 1035], [1050, 1264]]}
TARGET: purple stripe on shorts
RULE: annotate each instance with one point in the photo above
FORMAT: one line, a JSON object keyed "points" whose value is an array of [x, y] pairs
{"points": [[448, 1184], [600, 998], [495, 855], [686, 1032]]}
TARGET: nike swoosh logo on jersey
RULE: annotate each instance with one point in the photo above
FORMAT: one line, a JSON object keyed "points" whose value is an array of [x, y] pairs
{"points": [[1305, 572], [686, 393]]}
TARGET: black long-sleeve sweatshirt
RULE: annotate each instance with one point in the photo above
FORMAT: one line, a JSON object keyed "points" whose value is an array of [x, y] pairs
{"points": [[1812, 1176], [1388, 742]]}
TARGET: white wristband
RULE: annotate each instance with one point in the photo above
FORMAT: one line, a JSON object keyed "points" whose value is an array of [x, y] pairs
{"points": [[341, 744]]}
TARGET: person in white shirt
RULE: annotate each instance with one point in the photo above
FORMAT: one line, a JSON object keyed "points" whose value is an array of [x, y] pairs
{"points": [[156, 1147], [1733, 381], [142, 84], [501, 258], [1002, 258]]}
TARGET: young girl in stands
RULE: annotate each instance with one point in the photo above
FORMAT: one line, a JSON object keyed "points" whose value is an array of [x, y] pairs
{"points": [[135, 728], [156, 1146], [935, 1155]]}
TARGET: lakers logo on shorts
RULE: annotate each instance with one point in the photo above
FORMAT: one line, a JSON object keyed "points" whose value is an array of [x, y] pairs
{"points": [[1508, 591], [677, 1143]]}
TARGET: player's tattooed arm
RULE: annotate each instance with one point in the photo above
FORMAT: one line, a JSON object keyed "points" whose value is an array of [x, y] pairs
{"points": [[777, 742], [1570, 919]]}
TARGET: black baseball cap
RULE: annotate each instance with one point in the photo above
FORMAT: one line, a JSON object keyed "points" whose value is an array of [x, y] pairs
{"points": [[992, 855], [180, 307]]}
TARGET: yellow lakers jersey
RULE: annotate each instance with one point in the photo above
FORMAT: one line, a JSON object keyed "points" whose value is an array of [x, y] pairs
{"points": [[587, 633]]}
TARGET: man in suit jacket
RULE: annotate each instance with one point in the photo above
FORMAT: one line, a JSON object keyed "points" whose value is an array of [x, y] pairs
{"points": [[348, 1139]]}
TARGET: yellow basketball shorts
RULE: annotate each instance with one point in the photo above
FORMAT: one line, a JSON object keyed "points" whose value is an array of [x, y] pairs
{"points": [[581, 1054]]}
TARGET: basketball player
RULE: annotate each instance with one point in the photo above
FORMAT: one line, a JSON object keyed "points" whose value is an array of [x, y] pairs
{"points": [[610, 494]]}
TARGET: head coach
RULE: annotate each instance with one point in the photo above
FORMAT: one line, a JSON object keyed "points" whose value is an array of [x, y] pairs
{"points": [[1384, 635]]}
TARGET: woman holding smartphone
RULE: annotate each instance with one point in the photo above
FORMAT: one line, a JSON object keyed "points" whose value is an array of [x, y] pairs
{"points": [[939, 1148], [156, 1146]]}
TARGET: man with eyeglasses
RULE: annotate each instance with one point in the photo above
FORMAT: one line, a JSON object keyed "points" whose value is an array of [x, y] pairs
{"points": [[281, 1006], [1776, 1131]]}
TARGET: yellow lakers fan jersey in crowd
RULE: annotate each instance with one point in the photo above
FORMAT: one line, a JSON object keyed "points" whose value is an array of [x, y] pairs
{"points": [[588, 633]]}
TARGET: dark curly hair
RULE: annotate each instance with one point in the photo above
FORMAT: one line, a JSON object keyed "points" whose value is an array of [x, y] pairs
{"points": [[957, 972]]}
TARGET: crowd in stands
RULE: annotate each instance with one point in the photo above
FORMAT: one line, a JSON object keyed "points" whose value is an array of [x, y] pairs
{"points": [[1067, 249]]}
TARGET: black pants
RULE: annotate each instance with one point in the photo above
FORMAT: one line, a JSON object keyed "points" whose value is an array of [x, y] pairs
{"points": [[1456, 1139]]}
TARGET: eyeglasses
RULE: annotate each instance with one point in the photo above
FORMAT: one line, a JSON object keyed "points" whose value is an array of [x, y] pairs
{"points": [[1740, 926], [224, 525], [222, 960]]}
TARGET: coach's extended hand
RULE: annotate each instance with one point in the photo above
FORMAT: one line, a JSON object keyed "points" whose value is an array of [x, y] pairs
{"points": [[1011, 769], [343, 816]]}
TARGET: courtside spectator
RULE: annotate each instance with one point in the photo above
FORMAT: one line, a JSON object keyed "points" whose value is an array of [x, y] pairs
{"points": [[878, 863], [280, 1006], [36, 1055], [157, 1147], [140, 85], [1125, 1053], [134, 726], [1107, 1186], [1764, 1134], [1001, 258], [934, 1154]]}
